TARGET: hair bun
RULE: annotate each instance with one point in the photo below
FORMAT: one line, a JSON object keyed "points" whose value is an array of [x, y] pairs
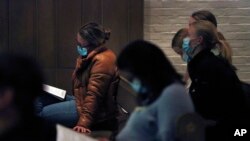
{"points": [[107, 34]]}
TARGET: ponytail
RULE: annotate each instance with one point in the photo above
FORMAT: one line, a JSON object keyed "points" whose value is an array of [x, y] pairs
{"points": [[226, 51], [107, 33]]}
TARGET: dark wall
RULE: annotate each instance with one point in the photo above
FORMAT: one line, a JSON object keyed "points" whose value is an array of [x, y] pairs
{"points": [[46, 29]]}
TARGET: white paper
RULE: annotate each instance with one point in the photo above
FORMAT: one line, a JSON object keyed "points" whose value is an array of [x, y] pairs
{"points": [[66, 134], [60, 93]]}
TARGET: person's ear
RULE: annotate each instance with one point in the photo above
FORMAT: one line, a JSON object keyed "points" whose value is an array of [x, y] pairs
{"points": [[200, 39]]}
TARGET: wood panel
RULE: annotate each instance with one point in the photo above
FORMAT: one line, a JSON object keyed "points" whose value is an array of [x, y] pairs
{"points": [[50, 75], [64, 79], [135, 19], [69, 21], [4, 25], [46, 29], [21, 26], [92, 11], [115, 16], [46, 33]]}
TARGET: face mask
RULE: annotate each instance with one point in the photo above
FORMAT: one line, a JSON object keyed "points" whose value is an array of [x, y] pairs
{"points": [[185, 57], [187, 50], [186, 45], [82, 50], [137, 86]]}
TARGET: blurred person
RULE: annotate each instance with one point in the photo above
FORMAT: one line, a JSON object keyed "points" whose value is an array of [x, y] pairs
{"points": [[95, 82], [161, 96], [180, 48], [177, 43], [20, 83], [180, 44], [225, 50], [215, 89]]}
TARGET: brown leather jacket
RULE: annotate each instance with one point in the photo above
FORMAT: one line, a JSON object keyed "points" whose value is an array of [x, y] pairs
{"points": [[95, 82]]}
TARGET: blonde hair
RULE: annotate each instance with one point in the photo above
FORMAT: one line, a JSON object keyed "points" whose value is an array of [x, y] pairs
{"points": [[226, 51], [211, 38]]}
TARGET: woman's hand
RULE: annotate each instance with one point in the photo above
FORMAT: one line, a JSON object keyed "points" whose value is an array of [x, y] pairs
{"points": [[81, 129]]}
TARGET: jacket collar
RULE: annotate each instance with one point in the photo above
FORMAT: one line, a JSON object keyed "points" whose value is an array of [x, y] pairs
{"points": [[95, 52], [83, 62], [198, 57]]}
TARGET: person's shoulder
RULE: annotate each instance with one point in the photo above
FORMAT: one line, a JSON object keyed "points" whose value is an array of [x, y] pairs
{"points": [[173, 91], [175, 87], [104, 62], [176, 95], [206, 59], [106, 56]]}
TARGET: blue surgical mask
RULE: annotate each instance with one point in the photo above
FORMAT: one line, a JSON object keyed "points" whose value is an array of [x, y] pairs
{"points": [[187, 50], [137, 86], [82, 50], [185, 57]]}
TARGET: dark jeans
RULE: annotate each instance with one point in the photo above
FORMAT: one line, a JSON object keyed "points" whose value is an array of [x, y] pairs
{"points": [[57, 111], [64, 112]]}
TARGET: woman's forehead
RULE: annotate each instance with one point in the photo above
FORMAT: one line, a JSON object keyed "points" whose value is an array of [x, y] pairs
{"points": [[191, 20], [191, 31]]}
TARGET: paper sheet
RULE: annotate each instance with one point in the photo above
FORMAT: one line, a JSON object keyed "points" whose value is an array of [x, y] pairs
{"points": [[59, 93], [66, 134]]}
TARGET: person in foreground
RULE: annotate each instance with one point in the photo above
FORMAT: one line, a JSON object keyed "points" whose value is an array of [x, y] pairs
{"points": [[20, 83], [161, 95]]}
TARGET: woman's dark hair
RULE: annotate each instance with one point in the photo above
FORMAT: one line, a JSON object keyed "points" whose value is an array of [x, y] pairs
{"points": [[94, 33], [205, 15], [149, 64], [178, 37], [22, 75]]}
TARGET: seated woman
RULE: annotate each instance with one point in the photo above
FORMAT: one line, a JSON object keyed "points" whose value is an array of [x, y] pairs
{"points": [[95, 81], [161, 96], [216, 89]]}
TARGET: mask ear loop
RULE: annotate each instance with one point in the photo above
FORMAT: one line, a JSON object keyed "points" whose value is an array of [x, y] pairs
{"points": [[196, 47]]}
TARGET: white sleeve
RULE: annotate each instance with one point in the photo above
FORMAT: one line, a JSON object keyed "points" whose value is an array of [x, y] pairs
{"points": [[173, 102]]}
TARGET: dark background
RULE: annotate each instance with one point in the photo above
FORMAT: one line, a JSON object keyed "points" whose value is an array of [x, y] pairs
{"points": [[46, 30]]}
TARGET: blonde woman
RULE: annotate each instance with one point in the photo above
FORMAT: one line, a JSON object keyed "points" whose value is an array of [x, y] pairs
{"points": [[206, 15], [215, 89]]}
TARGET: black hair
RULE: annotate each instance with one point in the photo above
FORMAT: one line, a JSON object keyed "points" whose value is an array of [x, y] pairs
{"points": [[149, 64], [205, 15], [94, 33]]}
